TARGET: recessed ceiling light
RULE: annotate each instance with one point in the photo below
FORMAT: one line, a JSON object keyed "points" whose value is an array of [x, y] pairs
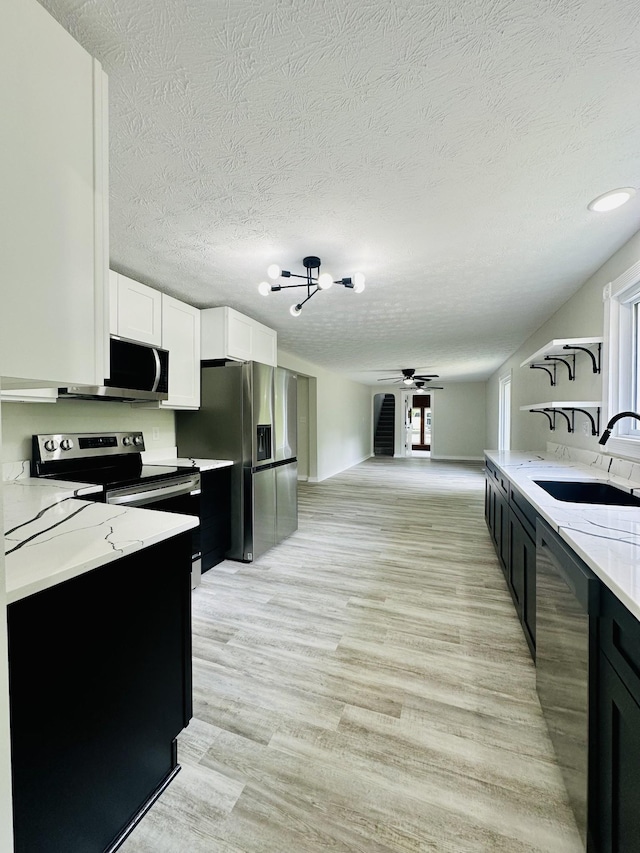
{"points": [[611, 200]]}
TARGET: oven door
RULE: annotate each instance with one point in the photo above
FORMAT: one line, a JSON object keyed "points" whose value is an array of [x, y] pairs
{"points": [[178, 494]]}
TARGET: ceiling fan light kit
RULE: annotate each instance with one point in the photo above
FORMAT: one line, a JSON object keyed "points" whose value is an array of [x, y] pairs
{"points": [[314, 281], [412, 379]]}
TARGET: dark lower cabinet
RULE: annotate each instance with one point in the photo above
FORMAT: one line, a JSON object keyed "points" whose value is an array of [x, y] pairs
{"points": [[215, 516], [522, 576], [616, 818], [100, 686], [511, 523], [497, 517], [616, 814]]}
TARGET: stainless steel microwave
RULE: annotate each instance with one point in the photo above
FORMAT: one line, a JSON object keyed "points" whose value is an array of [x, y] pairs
{"points": [[138, 372]]}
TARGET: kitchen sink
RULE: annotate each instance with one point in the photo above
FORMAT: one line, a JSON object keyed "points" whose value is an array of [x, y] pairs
{"points": [[587, 492]]}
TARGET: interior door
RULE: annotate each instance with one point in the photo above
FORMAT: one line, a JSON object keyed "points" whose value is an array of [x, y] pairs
{"points": [[421, 422]]}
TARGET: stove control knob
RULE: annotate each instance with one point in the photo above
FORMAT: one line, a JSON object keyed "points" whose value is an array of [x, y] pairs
{"points": [[66, 444], [137, 440], [127, 441], [51, 445]]}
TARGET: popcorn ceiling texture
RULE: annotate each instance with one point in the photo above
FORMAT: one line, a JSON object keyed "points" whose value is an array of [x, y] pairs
{"points": [[446, 149]]}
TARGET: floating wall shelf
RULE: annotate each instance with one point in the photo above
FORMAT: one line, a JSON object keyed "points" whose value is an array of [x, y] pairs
{"points": [[551, 410], [563, 351]]}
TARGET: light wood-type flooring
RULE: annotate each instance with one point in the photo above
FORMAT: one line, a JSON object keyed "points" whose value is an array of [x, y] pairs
{"points": [[365, 686]]}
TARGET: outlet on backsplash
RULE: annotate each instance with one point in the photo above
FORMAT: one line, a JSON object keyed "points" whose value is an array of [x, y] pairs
{"points": [[155, 433]]}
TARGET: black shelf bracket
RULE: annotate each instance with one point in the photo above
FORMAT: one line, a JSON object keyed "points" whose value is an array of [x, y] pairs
{"points": [[595, 422], [545, 367], [545, 412], [595, 362], [570, 365], [568, 419]]}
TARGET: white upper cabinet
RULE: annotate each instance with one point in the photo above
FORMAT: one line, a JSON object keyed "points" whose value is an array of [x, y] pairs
{"points": [[54, 214], [181, 337], [113, 302], [227, 333], [139, 311]]}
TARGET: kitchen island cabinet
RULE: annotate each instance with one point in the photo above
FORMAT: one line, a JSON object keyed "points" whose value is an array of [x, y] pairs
{"points": [[99, 659], [100, 687]]}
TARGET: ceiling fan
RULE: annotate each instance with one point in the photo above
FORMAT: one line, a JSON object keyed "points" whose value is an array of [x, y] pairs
{"points": [[419, 385], [409, 377]]}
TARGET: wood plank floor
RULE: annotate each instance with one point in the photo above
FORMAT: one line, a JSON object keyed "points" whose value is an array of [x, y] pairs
{"points": [[365, 686]]}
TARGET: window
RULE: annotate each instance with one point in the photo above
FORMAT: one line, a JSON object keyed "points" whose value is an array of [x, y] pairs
{"points": [[622, 360]]}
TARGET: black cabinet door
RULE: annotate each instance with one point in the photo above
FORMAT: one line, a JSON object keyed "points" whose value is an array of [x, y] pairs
{"points": [[615, 819], [215, 516], [497, 518], [522, 576], [502, 530]]}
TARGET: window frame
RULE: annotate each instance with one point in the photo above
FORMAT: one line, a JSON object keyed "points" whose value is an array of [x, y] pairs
{"points": [[621, 374]]}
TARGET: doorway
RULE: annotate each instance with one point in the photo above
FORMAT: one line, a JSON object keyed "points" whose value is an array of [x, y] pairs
{"points": [[303, 428], [504, 413], [384, 418], [421, 423]]}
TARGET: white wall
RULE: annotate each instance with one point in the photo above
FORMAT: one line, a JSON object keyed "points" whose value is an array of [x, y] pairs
{"points": [[458, 420], [6, 815], [341, 411], [22, 420], [580, 316], [303, 427]]}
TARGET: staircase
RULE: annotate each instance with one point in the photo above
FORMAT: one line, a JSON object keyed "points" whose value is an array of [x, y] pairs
{"points": [[383, 442]]}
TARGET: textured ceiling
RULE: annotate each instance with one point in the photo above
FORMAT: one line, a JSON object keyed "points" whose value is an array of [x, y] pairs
{"points": [[446, 149]]}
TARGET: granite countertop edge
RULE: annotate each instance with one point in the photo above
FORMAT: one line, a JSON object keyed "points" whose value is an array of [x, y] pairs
{"points": [[51, 535]]}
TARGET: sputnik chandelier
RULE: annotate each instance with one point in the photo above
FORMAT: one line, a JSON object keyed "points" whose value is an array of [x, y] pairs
{"points": [[314, 281]]}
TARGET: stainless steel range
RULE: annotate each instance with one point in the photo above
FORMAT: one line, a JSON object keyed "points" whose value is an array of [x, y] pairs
{"points": [[114, 461]]}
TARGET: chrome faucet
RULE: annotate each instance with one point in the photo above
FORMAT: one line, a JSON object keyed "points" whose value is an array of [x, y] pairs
{"points": [[614, 420]]}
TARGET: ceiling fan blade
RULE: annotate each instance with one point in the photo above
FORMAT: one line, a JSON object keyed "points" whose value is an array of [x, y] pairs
{"points": [[427, 376]]}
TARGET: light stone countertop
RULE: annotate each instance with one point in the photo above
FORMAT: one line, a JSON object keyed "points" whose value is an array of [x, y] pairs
{"points": [[51, 535], [152, 457], [607, 538]]}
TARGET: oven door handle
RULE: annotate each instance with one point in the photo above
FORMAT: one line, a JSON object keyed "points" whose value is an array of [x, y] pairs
{"points": [[147, 496]]}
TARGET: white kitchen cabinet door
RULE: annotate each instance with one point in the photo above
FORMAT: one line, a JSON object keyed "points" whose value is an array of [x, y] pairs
{"points": [[239, 336], [139, 312], [263, 345], [54, 214], [113, 302], [181, 336], [227, 333]]}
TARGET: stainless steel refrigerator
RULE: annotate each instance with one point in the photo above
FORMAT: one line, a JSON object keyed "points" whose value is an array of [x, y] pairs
{"points": [[248, 414]]}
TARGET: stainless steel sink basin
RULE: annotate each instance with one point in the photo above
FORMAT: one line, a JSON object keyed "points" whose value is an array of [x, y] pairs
{"points": [[586, 492]]}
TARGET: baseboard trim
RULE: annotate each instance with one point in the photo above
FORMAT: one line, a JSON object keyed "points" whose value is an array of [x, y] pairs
{"points": [[335, 473], [457, 458]]}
